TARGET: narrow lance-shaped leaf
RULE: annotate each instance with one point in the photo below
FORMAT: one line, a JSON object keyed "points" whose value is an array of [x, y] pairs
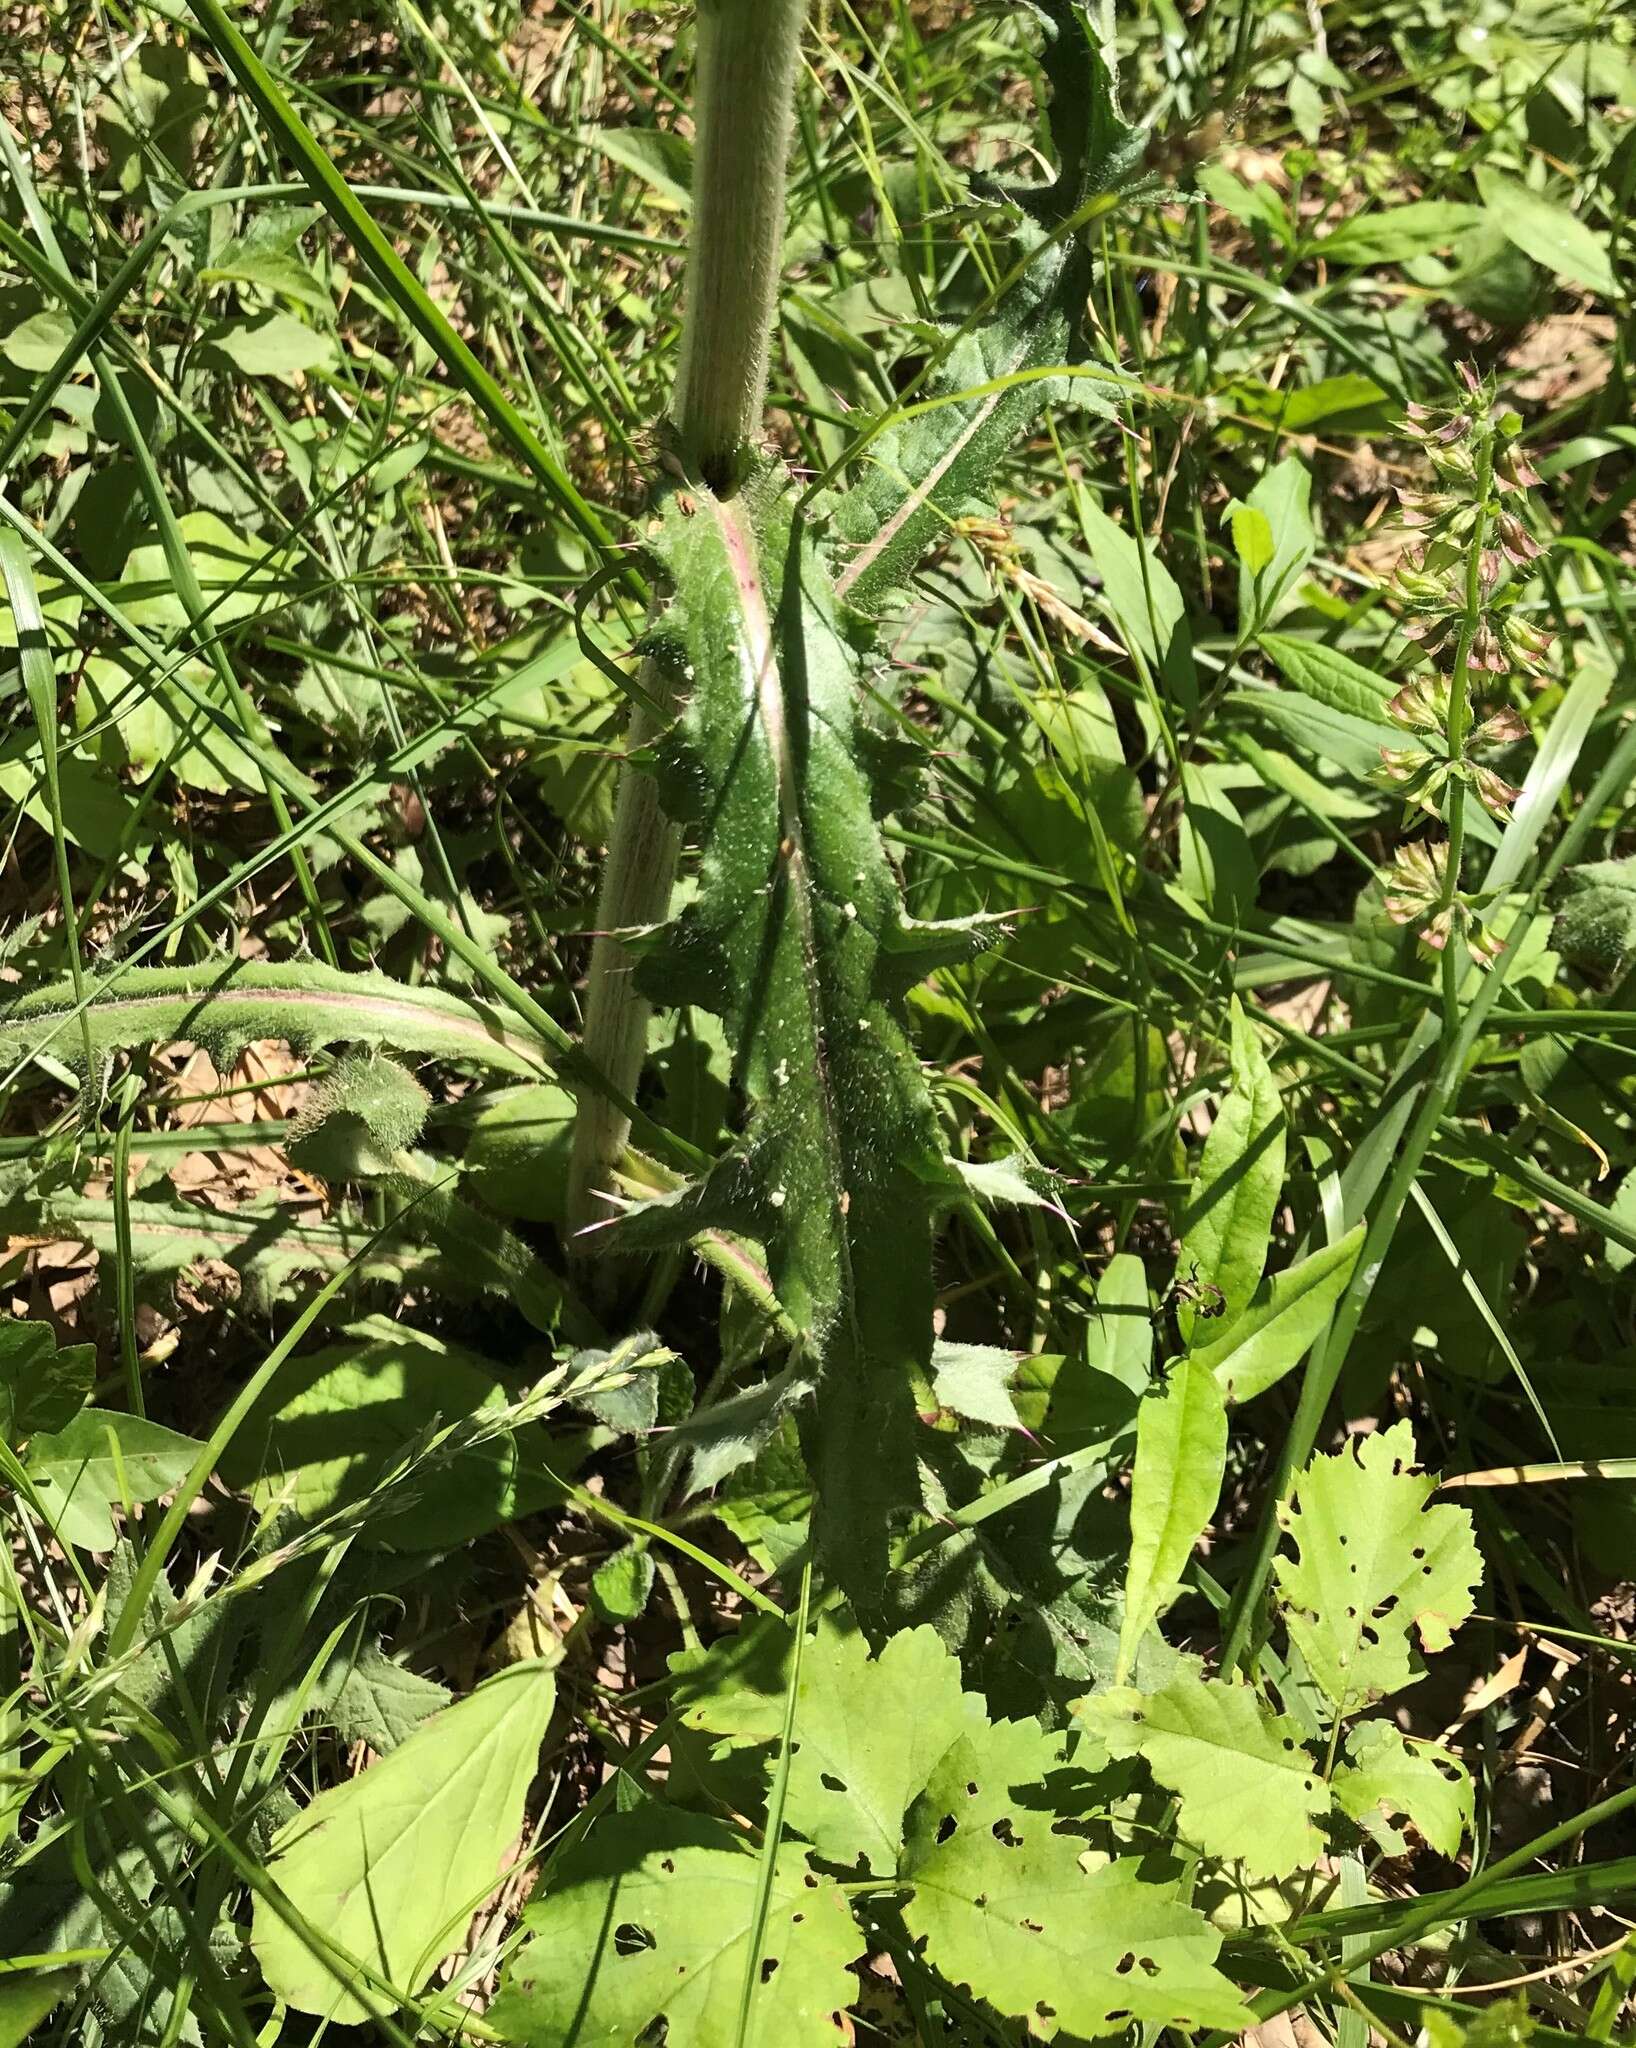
{"points": [[797, 938], [918, 475], [1230, 1218], [1181, 1452], [226, 1004]]}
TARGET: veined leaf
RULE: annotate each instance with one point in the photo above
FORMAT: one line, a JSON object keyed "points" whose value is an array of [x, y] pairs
{"points": [[1248, 1790], [1284, 1315], [1181, 1452], [98, 1461], [391, 1864], [920, 473], [1386, 1780], [798, 939], [870, 1729], [649, 1919], [1229, 1219], [225, 1005], [1548, 231], [1329, 677], [1282, 541], [1394, 234], [1005, 1904], [1378, 1574]]}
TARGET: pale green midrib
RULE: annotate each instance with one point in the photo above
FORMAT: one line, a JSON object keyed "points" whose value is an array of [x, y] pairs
{"points": [[763, 675], [195, 1003]]}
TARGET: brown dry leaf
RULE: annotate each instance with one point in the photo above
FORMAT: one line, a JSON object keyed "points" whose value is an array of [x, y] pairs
{"points": [[1564, 357]]}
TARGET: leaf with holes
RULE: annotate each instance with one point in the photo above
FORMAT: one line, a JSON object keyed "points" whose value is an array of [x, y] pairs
{"points": [[1247, 1788], [1006, 1907], [649, 1920], [1378, 1576], [1386, 1781], [869, 1731]]}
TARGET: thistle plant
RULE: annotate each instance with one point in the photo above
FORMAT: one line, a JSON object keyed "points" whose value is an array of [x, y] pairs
{"points": [[797, 935], [1458, 610]]}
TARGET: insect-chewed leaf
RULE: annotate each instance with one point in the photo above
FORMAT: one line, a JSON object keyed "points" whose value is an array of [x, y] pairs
{"points": [[919, 474], [1377, 1569], [1386, 1781], [1005, 1904], [651, 1918], [1247, 1786], [871, 1730], [795, 937]]}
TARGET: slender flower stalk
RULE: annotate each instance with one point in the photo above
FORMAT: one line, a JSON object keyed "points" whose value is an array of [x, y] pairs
{"points": [[747, 54]]}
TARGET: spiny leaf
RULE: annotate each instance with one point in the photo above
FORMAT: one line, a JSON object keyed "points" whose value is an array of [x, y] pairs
{"points": [[225, 1005], [1386, 1780], [1006, 1906], [649, 1919], [390, 1864], [920, 473], [1247, 1787], [358, 1119], [1596, 928], [1379, 1574], [798, 939]]}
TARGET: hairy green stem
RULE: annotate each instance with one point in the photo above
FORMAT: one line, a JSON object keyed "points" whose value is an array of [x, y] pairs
{"points": [[747, 55]]}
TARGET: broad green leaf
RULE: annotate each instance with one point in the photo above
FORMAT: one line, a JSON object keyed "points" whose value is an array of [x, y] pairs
{"points": [[622, 1584], [101, 1460], [1248, 1790], [1006, 1907], [649, 1920], [240, 577], [358, 1119], [332, 1426], [1549, 232], [516, 1159], [659, 157], [1378, 1575], [797, 937], [1265, 578], [1395, 234], [1229, 1218], [1329, 677], [1144, 598], [1095, 1395], [34, 344], [1596, 926], [26, 1999], [869, 1731], [1181, 1453], [1348, 399], [1283, 1316], [918, 475], [391, 1864], [271, 345], [1385, 1781], [369, 1698], [41, 1388], [1218, 865]]}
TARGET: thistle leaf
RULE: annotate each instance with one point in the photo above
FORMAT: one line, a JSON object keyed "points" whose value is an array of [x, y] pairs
{"points": [[994, 381], [793, 939], [1379, 1575]]}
